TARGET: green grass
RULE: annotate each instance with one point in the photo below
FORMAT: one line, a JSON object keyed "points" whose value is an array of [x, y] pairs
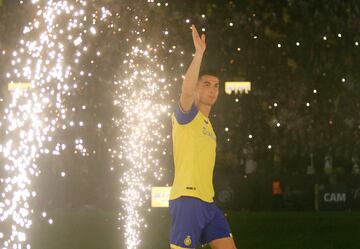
{"points": [[306, 230], [252, 230]]}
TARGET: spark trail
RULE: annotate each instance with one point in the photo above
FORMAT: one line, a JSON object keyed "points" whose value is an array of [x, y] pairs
{"points": [[141, 96], [36, 112]]}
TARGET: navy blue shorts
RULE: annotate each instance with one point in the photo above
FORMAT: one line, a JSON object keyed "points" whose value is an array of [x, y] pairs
{"points": [[195, 222]]}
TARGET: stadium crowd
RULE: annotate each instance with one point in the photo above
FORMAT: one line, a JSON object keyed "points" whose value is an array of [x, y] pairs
{"points": [[301, 117]]}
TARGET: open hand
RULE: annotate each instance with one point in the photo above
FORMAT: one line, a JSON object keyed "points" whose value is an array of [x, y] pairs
{"points": [[199, 43]]}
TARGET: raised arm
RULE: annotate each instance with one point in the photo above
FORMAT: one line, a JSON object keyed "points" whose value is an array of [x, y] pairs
{"points": [[187, 97]]}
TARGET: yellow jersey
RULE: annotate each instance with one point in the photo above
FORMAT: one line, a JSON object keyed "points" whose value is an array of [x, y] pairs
{"points": [[194, 150]]}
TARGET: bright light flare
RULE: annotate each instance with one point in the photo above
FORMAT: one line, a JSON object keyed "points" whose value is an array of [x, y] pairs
{"points": [[141, 96], [35, 112]]}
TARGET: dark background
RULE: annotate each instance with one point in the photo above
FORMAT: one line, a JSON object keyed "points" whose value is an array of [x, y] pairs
{"points": [[310, 89]]}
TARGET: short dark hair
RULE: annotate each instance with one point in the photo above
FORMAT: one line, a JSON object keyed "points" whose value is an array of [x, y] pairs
{"points": [[209, 72]]}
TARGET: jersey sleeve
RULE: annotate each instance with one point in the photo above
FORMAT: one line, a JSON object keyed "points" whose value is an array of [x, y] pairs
{"points": [[185, 117]]}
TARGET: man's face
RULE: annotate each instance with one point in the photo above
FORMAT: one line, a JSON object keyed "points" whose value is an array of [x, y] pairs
{"points": [[207, 89]]}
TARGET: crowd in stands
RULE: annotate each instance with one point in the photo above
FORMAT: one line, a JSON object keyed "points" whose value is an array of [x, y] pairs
{"points": [[302, 115]]}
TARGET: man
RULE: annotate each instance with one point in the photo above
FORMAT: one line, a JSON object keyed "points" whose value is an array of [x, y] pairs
{"points": [[195, 217]]}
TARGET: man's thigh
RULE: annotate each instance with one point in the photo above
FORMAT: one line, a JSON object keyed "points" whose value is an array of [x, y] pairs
{"points": [[218, 230], [187, 222]]}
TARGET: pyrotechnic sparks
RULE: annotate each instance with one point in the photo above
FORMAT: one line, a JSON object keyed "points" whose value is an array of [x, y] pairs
{"points": [[36, 111], [141, 96], [49, 62]]}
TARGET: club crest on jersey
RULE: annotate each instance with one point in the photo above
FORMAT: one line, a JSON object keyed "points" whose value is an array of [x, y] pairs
{"points": [[208, 133], [187, 241]]}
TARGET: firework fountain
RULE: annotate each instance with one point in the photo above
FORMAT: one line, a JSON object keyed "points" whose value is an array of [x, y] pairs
{"points": [[36, 112]]}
